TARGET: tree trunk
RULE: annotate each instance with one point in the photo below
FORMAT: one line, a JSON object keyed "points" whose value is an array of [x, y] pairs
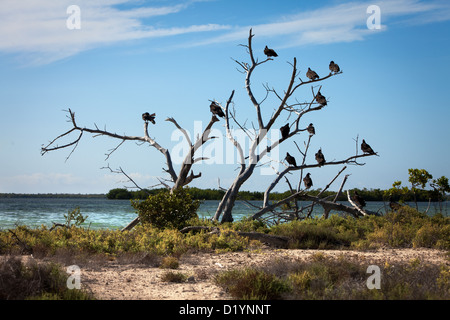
{"points": [[225, 207]]}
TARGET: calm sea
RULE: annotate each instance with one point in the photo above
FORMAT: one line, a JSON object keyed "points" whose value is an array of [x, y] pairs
{"points": [[114, 214]]}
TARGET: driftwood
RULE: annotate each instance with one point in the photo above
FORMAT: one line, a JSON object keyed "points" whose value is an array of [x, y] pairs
{"points": [[26, 249], [360, 210], [56, 225], [271, 240]]}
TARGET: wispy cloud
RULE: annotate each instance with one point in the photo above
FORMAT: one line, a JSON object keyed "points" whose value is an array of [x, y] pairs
{"points": [[340, 23], [39, 29]]}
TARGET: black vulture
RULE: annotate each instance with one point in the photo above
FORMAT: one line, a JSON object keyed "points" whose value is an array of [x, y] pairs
{"points": [[284, 131], [334, 67], [217, 110], [321, 99], [320, 157], [307, 181], [290, 159], [311, 129], [366, 148], [270, 52], [358, 200], [394, 205], [312, 74], [149, 117]]}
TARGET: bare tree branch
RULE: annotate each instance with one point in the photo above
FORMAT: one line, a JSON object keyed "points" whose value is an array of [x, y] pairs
{"points": [[181, 129]]}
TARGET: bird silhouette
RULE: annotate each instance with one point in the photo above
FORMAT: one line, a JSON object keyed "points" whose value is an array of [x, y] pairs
{"points": [[311, 129], [149, 117], [394, 205], [216, 109], [366, 148], [307, 181], [312, 74], [270, 52], [321, 99], [284, 131], [320, 158], [334, 67], [290, 159], [358, 200]]}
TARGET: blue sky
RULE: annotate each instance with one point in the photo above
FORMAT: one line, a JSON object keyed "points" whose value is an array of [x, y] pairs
{"points": [[172, 57]]}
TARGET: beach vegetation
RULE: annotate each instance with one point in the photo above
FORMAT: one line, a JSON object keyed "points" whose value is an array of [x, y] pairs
{"points": [[30, 280], [320, 278], [326, 277], [405, 228], [167, 209]]}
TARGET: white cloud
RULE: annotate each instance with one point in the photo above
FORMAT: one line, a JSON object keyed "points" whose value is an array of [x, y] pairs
{"points": [[341, 23], [39, 29]]}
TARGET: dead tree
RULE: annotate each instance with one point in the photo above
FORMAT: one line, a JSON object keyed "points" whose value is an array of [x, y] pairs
{"points": [[179, 180], [287, 107]]}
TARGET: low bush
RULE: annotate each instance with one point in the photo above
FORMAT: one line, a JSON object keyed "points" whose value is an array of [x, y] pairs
{"points": [[171, 276], [19, 281], [170, 263], [167, 209], [252, 284]]}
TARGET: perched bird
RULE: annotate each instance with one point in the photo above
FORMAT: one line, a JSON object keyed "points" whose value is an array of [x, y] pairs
{"points": [[334, 67], [307, 181], [320, 157], [366, 148], [359, 201], [321, 99], [270, 52], [290, 159], [312, 74], [149, 117], [284, 131], [394, 205], [217, 110], [311, 129]]}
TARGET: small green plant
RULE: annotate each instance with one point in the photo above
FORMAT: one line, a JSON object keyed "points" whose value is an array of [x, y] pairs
{"points": [[171, 276], [167, 209], [170, 263], [252, 284], [74, 216]]}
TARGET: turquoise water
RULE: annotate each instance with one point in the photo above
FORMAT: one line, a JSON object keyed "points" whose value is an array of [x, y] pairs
{"points": [[113, 214]]}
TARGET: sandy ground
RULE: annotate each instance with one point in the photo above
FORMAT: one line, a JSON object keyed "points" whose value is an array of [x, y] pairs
{"points": [[118, 281]]}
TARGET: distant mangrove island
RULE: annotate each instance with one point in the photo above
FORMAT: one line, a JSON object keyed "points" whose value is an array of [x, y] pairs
{"points": [[216, 194]]}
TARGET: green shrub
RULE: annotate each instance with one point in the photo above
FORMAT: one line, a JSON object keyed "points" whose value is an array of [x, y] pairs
{"points": [[252, 284], [170, 263], [76, 217], [311, 234], [167, 210], [171, 276], [35, 281]]}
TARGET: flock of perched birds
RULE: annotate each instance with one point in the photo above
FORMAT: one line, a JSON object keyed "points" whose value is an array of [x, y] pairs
{"points": [[320, 158], [285, 130]]}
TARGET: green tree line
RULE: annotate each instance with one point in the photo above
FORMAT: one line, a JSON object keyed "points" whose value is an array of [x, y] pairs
{"points": [[215, 194]]}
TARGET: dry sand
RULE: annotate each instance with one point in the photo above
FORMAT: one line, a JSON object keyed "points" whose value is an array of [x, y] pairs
{"points": [[118, 281]]}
